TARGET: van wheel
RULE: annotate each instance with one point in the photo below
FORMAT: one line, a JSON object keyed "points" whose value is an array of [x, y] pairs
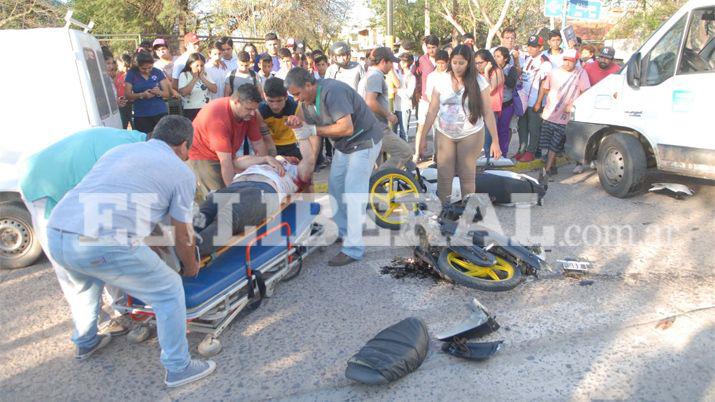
{"points": [[19, 247], [621, 165]]}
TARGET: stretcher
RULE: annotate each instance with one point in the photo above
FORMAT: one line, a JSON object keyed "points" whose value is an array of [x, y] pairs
{"points": [[239, 274]]}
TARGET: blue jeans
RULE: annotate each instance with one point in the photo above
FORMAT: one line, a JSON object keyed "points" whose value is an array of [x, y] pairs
{"points": [[403, 123], [136, 270], [348, 186]]}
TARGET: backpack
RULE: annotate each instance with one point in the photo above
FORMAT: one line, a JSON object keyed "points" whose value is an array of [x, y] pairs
{"points": [[232, 77]]}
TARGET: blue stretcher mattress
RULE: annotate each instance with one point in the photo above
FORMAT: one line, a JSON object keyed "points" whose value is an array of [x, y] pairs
{"points": [[230, 266]]}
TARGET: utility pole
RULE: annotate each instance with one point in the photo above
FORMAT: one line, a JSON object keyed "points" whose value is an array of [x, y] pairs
{"points": [[390, 38]]}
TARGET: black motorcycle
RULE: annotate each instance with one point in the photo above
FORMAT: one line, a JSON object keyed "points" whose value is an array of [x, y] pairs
{"points": [[475, 257]]}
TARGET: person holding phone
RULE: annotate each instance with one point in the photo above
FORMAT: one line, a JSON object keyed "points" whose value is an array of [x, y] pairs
{"points": [[146, 87]]}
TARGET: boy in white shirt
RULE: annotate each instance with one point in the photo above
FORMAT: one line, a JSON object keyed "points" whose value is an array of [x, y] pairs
{"points": [[403, 100], [217, 70], [244, 74]]}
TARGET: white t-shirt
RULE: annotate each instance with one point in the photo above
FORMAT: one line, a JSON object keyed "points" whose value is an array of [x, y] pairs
{"points": [[240, 79], [403, 98], [453, 118], [218, 76], [231, 64], [179, 65], [534, 70], [429, 84], [284, 184], [199, 93]]}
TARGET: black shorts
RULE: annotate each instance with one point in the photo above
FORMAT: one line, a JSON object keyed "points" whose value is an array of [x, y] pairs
{"points": [[553, 136], [146, 124], [190, 113]]}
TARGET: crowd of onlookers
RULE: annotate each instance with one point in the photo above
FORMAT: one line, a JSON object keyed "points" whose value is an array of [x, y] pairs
{"points": [[531, 87]]}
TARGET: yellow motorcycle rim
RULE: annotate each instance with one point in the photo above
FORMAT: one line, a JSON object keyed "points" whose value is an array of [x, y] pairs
{"points": [[384, 194], [501, 271]]}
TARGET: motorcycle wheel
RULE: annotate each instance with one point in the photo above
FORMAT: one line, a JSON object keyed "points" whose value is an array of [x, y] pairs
{"points": [[500, 277], [386, 187]]}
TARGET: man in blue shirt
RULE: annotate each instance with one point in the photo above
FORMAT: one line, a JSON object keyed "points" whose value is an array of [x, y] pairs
{"points": [[48, 175], [97, 233]]}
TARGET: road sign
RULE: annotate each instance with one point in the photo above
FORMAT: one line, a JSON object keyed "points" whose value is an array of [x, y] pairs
{"points": [[584, 10], [552, 8], [577, 9]]}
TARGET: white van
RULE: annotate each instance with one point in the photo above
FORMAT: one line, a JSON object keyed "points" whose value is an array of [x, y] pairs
{"points": [[65, 91], [656, 113]]}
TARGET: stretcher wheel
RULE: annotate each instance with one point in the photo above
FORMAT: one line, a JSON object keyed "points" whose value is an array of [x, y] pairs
{"points": [[139, 334], [210, 346]]}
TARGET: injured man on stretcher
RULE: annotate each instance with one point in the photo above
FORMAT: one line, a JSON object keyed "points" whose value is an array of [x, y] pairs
{"points": [[257, 191]]}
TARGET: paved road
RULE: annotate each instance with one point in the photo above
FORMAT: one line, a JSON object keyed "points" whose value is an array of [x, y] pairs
{"points": [[563, 340]]}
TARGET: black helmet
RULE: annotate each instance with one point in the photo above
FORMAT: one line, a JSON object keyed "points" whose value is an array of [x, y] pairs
{"points": [[339, 49]]}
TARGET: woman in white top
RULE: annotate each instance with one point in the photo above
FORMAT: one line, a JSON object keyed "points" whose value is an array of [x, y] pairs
{"points": [[461, 105], [195, 86]]}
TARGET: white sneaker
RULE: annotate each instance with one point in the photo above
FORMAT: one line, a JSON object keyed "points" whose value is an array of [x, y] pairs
{"points": [[578, 169]]}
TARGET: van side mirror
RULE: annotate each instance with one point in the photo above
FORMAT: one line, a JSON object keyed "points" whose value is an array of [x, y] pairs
{"points": [[633, 74]]}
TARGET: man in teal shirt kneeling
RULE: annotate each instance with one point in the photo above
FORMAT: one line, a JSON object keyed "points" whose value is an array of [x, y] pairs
{"points": [[49, 174]]}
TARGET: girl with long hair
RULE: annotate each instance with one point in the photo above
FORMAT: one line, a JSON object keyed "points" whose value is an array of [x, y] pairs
{"points": [[487, 66], [195, 86], [460, 106]]}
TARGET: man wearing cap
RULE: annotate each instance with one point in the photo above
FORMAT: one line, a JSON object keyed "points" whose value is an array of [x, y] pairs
{"points": [[373, 89], [331, 109], [536, 67], [349, 72], [164, 61], [604, 66], [560, 89], [272, 45], [191, 44]]}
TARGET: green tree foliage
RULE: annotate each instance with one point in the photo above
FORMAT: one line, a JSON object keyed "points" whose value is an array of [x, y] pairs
{"points": [[161, 17], [642, 21], [409, 20], [317, 21], [21, 14], [460, 16]]}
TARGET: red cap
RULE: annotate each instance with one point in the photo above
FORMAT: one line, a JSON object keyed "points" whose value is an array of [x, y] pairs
{"points": [[191, 38]]}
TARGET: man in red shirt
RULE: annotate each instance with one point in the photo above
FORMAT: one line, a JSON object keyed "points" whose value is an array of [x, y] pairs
{"points": [[426, 64], [605, 66], [219, 132]]}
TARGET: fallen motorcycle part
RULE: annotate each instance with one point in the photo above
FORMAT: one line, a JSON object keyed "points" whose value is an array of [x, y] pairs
{"points": [[393, 197], [476, 351], [499, 162], [500, 276], [675, 190], [393, 353], [502, 185], [475, 255], [575, 265], [479, 323]]}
